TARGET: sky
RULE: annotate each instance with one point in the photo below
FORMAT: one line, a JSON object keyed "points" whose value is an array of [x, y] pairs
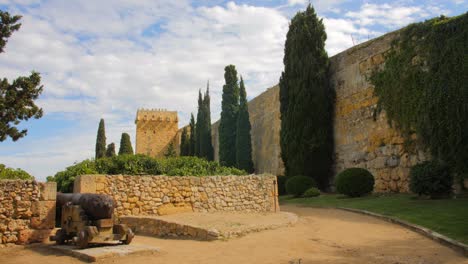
{"points": [[105, 59]]}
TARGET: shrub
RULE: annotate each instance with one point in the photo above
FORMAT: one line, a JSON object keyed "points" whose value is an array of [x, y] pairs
{"points": [[297, 185], [431, 178], [66, 178], [13, 174], [311, 192], [354, 182], [281, 180]]}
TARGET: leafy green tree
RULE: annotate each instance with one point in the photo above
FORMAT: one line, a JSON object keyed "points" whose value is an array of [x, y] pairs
{"points": [[306, 101], [228, 122], [17, 98], [184, 143], [243, 138], [125, 145], [206, 146], [192, 141], [170, 151], [199, 125], [110, 151], [13, 174], [101, 140]]}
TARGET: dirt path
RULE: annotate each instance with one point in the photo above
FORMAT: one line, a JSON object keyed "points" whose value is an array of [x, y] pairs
{"points": [[320, 236]]}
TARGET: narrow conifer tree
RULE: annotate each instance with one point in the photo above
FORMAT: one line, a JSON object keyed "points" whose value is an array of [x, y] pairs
{"points": [[306, 102], [199, 125], [101, 140], [125, 145], [207, 145], [228, 122], [110, 151], [170, 151], [243, 137], [184, 143], [192, 136]]}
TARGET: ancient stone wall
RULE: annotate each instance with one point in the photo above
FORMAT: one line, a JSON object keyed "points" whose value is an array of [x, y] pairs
{"points": [[155, 130], [27, 211], [162, 195]]}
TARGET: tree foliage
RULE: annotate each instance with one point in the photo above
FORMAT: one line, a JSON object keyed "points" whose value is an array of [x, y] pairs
{"points": [[243, 137], [110, 151], [306, 101], [423, 88], [206, 146], [184, 143], [13, 174], [101, 140], [125, 145], [198, 125], [192, 136], [16, 98], [170, 151], [228, 122]]}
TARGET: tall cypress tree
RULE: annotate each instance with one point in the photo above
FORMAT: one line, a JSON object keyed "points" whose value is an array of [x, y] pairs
{"points": [[184, 143], [125, 145], [228, 122], [199, 125], [206, 144], [192, 141], [243, 138], [306, 101], [101, 140], [110, 151]]}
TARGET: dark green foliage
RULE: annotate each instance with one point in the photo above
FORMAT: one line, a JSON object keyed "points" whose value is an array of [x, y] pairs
{"points": [[281, 180], [110, 151], [311, 192], [243, 138], [354, 182], [184, 143], [13, 174], [198, 125], [423, 88], [228, 121], [306, 101], [17, 98], [432, 178], [297, 185], [101, 140], [206, 146], [141, 165], [170, 151], [125, 145], [192, 136]]}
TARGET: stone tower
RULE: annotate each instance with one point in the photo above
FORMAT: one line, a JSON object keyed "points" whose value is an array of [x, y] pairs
{"points": [[155, 130]]}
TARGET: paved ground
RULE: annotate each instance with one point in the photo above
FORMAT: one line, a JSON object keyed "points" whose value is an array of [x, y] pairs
{"points": [[320, 236]]}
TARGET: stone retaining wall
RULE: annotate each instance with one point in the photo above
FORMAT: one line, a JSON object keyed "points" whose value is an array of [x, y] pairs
{"points": [[162, 195], [27, 211]]}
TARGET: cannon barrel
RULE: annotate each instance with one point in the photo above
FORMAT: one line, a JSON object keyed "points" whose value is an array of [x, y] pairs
{"points": [[96, 206]]}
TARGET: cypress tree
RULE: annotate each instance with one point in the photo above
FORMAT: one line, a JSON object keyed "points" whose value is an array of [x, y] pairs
{"points": [[206, 144], [228, 122], [110, 152], [306, 102], [184, 143], [243, 138], [101, 140], [125, 145], [170, 151], [192, 141], [199, 125]]}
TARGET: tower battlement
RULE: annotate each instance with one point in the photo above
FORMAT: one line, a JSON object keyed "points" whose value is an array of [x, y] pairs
{"points": [[157, 114]]}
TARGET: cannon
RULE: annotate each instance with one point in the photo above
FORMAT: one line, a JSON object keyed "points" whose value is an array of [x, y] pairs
{"points": [[86, 219]]}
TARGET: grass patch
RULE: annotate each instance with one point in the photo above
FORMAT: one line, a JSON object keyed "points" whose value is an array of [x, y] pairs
{"points": [[445, 216]]}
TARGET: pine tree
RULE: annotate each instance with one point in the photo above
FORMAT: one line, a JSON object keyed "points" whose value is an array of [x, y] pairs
{"points": [[110, 152], [228, 122], [192, 141], [125, 145], [170, 151], [101, 140], [306, 102], [243, 138], [206, 144], [184, 143], [199, 125]]}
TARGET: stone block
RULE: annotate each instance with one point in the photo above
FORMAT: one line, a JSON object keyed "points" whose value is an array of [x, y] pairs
{"points": [[48, 191]]}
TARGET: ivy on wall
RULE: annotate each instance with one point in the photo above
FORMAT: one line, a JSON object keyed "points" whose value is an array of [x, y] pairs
{"points": [[424, 87]]}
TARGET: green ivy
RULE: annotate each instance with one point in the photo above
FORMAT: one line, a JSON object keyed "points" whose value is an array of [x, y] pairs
{"points": [[423, 87]]}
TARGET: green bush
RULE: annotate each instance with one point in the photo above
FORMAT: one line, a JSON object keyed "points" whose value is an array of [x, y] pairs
{"points": [[140, 165], [432, 178], [13, 174], [311, 192], [281, 180], [297, 185], [354, 182]]}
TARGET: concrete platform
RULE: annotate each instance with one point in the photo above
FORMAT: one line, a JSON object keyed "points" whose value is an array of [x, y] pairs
{"points": [[103, 252]]}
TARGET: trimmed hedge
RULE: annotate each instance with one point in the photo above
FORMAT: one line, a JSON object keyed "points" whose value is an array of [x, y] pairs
{"points": [[311, 192], [354, 182], [297, 185], [432, 178]]}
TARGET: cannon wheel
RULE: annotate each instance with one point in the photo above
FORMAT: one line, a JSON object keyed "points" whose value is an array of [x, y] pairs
{"points": [[60, 237], [83, 239], [130, 236]]}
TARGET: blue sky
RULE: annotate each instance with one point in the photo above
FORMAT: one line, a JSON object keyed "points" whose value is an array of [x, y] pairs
{"points": [[109, 58]]}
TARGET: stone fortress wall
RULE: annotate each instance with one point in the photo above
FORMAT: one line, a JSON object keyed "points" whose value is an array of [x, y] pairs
{"points": [[27, 211], [162, 195], [360, 141], [155, 130]]}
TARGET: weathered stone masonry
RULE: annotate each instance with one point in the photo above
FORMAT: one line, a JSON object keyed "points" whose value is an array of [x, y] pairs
{"points": [[161, 195], [27, 211]]}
